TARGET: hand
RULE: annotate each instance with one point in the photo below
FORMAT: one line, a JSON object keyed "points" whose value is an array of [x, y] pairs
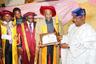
{"points": [[64, 45], [41, 46], [59, 38], [20, 50], [57, 44]]}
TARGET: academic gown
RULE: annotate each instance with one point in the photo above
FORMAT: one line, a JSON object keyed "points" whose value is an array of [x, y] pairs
{"points": [[42, 28], [28, 43], [10, 55]]}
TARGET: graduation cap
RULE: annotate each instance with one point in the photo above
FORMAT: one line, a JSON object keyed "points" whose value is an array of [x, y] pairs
{"points": [[79, 12], [29, 13], [4, 12], [52, 8]]}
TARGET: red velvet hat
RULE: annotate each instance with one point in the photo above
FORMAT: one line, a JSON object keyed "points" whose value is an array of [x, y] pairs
{"points": [[43, 8], [4, 12], [28, 14]]}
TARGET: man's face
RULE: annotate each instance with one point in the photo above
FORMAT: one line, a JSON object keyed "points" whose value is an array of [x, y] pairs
{"points": [[17, 14], [48, 14], [78, 20], [7, 17], [30, 18]]}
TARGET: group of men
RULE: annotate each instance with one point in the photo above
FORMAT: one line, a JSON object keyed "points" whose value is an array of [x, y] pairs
{"points": [[20, 38]]}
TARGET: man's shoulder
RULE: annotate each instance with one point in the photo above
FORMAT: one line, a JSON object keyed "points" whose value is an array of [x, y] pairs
{"points": [[72, 26], [40, 21], [88, 30], [89, 27]]}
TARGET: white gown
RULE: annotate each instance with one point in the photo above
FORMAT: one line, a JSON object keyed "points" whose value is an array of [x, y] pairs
{"points": [[82, 42]]}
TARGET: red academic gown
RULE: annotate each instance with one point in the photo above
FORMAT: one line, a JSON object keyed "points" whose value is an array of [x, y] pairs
{"points": [[30, 41]]}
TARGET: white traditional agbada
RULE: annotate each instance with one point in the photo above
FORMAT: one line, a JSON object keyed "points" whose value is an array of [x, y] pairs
{"points": [[82, 42]]}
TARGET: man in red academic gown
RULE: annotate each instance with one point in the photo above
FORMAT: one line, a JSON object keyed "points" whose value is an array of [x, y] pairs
{"points": [[26, 32]]}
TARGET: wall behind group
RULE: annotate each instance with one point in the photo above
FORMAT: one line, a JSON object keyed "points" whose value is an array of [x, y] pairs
{"points": [[90, 13]]}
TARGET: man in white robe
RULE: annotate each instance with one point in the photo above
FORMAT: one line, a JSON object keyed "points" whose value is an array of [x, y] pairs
{"points": [[79, 45]]}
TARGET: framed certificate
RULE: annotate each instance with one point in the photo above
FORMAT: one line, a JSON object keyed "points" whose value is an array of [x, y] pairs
{"points": [[49, 39]]}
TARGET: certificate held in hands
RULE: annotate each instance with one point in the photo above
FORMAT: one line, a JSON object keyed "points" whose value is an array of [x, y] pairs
{"points": [[49, 39]]}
